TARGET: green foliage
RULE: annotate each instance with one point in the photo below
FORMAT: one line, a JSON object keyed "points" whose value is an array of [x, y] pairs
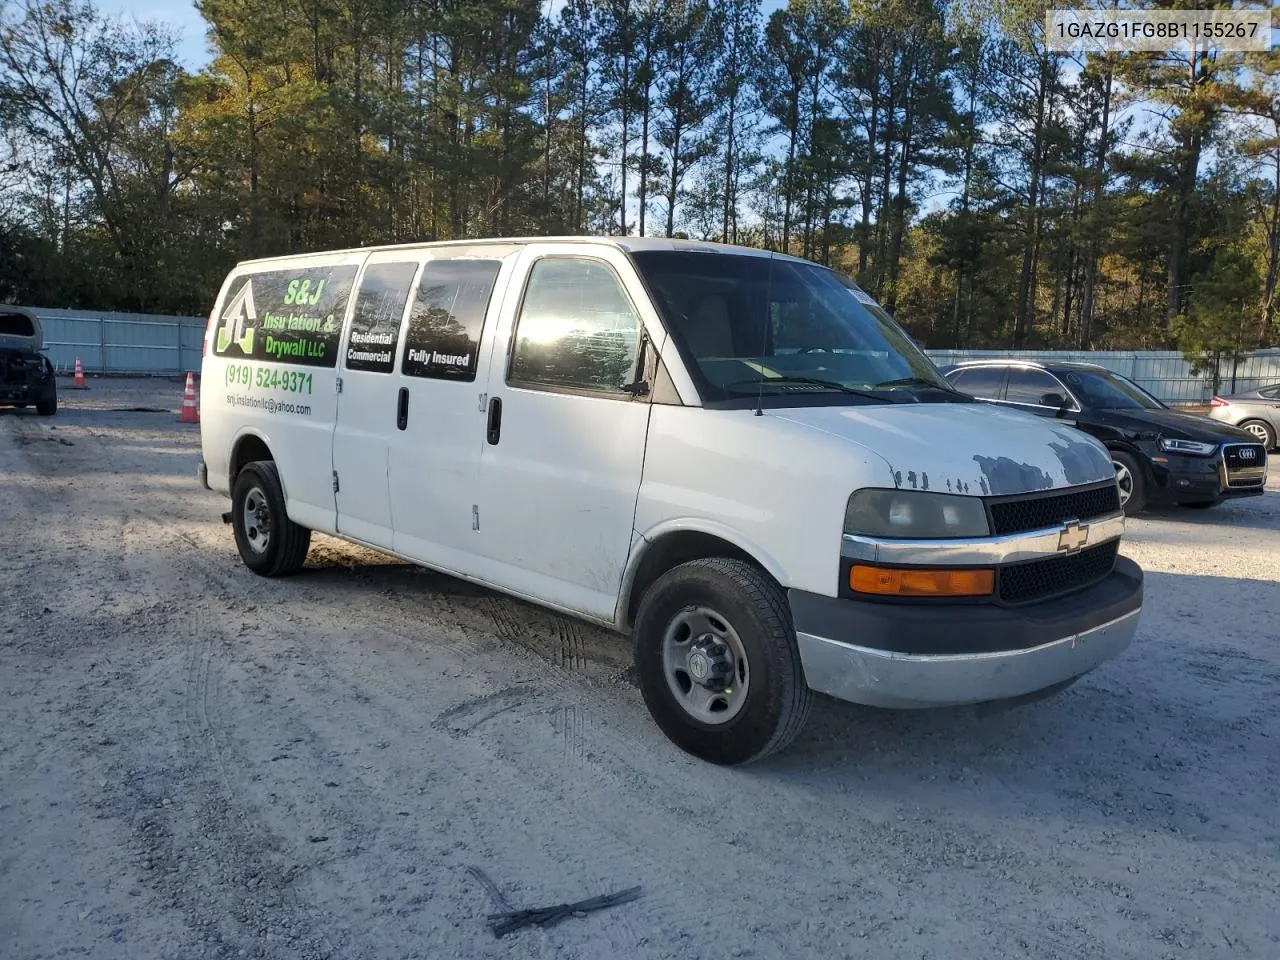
{"points": [[986, 190], [1219, 316]]}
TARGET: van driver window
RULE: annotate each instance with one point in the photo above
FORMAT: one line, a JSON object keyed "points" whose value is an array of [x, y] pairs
{"points": [[577, 328]]}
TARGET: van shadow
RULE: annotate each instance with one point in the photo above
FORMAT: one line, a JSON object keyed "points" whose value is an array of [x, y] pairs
{"points": [[564, 643], [1177, 734]]}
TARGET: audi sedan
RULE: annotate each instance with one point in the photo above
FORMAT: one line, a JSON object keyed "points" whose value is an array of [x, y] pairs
{"points": [[1160, 456]]}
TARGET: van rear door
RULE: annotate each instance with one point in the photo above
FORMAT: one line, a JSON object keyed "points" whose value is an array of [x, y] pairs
{"points": [[564, 440]]}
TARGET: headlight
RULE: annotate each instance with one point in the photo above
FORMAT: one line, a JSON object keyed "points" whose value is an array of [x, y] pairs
{"points": [[1193, 447], [913, 515]]}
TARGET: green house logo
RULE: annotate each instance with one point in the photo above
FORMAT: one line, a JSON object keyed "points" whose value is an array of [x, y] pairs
{"points": [[233, 330]]}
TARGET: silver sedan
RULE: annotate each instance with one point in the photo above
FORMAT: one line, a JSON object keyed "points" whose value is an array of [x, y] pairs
{"points": [[1257, 411]]}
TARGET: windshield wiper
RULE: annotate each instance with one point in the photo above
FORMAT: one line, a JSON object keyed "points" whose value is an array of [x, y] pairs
{"points": [[915, 382], [811, 381]]}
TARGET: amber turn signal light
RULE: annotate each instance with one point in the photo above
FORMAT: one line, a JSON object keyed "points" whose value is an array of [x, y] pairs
{"points": [[922, 583]]}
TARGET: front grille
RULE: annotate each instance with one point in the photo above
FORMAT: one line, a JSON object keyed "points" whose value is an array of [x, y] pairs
{"points": [[1246, 464], [1040, 579], [1020, 514]]}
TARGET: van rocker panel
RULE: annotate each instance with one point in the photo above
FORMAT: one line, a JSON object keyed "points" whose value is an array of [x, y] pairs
{"points": [[932, 655]]}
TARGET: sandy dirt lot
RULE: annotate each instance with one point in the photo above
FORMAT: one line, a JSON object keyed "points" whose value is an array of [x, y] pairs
{"points": [[195, 762]]}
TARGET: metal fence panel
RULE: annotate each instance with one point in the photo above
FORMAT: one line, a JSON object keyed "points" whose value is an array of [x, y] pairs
{"points": [[107, 342]]}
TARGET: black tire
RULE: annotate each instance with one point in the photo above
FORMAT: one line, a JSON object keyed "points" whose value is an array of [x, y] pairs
{"points": [[1265, 433], [270, 544], [776, 699], [48, 407], [1137, 501]]}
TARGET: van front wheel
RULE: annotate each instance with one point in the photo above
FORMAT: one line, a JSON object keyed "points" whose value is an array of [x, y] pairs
{"points": [[717, 661], [270, 543]]}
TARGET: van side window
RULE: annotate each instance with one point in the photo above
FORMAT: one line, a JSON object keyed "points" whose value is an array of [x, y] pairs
{"points": [[577, 328], [287, 316], [375, 324], [443, 342]]}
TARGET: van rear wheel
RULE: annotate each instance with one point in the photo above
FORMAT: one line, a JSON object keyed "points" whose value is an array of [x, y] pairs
{"points": [[717, 661], [270, 543]]}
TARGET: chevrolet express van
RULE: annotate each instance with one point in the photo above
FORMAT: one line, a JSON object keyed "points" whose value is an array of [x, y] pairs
{"points": [[735, 457]]}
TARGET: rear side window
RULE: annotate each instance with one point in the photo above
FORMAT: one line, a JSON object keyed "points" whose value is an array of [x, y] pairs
{"points": [[1033, 387], [290, 316], [16, 325], [375, 322], [981, 382], [577, 329], [1271, 393], [443, 342]]}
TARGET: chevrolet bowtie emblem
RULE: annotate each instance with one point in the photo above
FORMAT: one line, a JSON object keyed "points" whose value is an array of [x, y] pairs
{"points": [[1073, 537]]}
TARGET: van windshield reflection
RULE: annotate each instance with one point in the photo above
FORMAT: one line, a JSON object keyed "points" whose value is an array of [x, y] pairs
{"points": [[752, 326]]}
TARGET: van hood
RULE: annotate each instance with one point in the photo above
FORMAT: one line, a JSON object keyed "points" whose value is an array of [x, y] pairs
{"points": [[974, 449]]}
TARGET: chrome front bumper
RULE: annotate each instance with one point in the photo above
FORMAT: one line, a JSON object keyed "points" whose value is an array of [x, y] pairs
{"points": [[884, 678]]}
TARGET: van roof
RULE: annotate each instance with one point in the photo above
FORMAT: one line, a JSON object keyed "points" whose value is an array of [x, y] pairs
{"points": [[629, 244]]}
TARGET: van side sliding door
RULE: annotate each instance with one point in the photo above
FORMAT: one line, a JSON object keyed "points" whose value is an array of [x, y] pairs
{"points": [[440, 386], [367, 401]]}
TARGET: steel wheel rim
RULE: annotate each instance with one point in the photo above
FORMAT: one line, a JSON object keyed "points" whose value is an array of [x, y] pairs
{"points": [[256, 520], [690, 633], [1260, 431], [1124, 480]]}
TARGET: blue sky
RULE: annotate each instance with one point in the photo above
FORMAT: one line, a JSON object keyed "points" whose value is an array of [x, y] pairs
{"points": [[180, 14]]}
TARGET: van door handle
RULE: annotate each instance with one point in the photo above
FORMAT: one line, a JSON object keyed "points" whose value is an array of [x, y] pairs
{"points": [[495, 421], [402, 409]]}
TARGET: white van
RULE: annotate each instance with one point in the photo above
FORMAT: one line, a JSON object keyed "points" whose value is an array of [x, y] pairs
{"points": [[735, 457]]}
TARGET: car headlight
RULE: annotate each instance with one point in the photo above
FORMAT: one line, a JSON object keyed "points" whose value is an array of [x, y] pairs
{"points": [[914, 515], [1193, 447]]}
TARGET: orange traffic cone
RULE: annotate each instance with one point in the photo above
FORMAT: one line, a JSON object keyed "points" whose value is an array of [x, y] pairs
{"points": [[78, 383], [189, 412]]}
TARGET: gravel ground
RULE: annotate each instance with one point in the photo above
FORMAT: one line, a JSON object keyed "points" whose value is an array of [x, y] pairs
{"points": [[195, 762]]}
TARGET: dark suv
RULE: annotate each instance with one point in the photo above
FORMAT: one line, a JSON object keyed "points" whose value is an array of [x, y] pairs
{"points": [[26, 375], [1161, 456]]}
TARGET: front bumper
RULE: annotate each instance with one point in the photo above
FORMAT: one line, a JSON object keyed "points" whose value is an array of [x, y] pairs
{"points": [[1190, 479], [933, 655]]}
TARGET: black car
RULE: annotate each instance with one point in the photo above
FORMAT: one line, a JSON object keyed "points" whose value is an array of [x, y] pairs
{"points": [[1161, 456], [26, 375]]}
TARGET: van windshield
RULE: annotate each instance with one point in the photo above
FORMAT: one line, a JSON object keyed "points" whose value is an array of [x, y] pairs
{"points": [[752, 326]]}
